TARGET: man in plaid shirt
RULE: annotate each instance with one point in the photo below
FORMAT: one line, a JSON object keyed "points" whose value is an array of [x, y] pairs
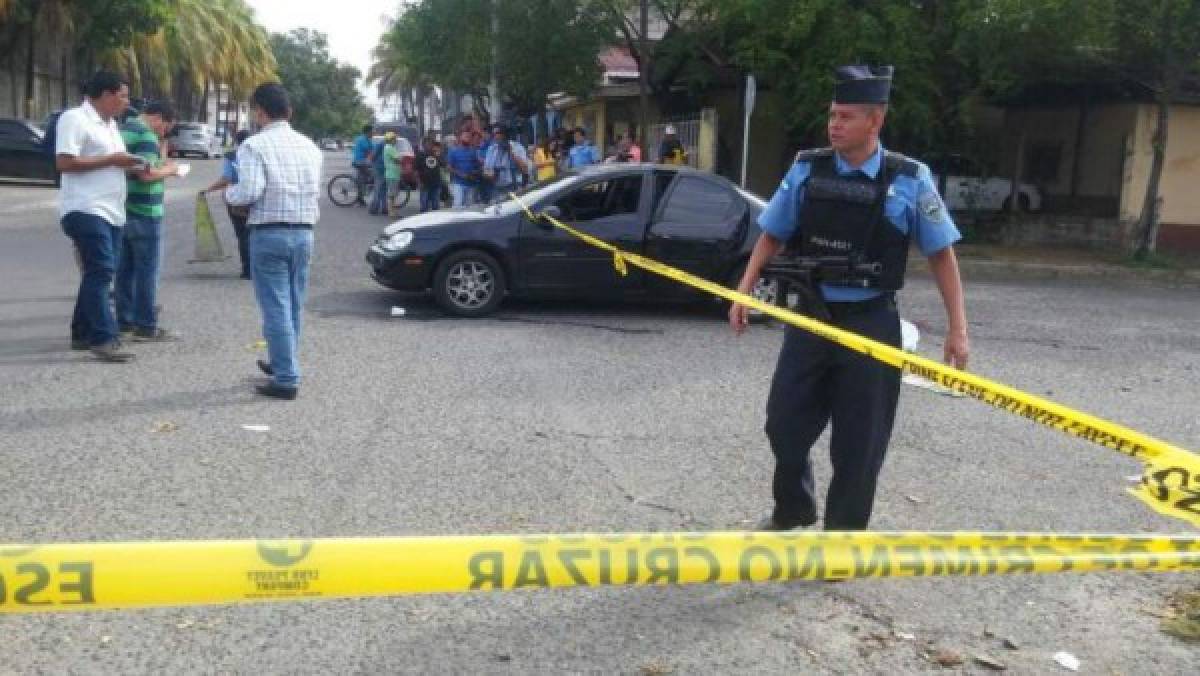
{"points": [[279, 171]]}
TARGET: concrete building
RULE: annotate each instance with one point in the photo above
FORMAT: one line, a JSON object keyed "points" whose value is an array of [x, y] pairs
{"points": [[1095, 160]]}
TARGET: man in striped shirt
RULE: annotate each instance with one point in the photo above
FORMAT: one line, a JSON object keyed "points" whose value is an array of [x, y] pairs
{"points": [[136, 285], [279, 172]]}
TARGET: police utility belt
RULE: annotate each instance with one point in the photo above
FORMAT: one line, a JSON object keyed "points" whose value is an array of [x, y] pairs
{"points": [[842, 239]]}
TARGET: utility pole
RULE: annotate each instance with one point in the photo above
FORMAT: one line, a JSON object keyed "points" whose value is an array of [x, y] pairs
{"points": [[643, 98], [493, 85]]}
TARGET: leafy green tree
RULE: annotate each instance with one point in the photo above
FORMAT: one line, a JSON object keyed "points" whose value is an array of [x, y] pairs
{"points": [[91, 26], [115, 23], [544, 46], [324, 93]]}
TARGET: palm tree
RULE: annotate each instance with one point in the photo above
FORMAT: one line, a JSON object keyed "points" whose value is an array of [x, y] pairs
{"points": [[32, 19], [392, 77], [208, 42]]}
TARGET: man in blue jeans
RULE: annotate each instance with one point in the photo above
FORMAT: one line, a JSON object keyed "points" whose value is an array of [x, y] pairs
{"points": [[379, 198], [141, 249], [91, 156], [283, 211]]}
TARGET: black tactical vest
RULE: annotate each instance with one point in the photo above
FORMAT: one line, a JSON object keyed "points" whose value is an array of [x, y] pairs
{"points": [[844, 216]]}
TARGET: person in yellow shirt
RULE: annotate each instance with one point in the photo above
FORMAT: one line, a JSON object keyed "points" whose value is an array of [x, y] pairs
{"points": [[544, 160]]}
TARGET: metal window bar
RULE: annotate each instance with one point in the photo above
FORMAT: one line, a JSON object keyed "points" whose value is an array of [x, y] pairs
{"points": [[687, 130]]}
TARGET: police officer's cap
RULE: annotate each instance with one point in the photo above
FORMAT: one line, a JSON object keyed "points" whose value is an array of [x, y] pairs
{"points": [[862, 84]]}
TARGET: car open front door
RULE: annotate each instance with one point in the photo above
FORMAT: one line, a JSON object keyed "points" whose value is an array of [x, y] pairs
{"points": [[610, 208], [699, 229]]}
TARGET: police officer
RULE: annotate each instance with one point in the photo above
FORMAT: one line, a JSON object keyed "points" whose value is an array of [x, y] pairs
{"points": [[854, 198]]}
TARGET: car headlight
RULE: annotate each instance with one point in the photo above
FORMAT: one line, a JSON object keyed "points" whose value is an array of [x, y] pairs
{"points": [[398, 241]]}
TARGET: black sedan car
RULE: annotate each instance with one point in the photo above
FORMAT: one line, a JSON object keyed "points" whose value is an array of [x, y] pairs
{"points": [[22, 155], [471, 258]]}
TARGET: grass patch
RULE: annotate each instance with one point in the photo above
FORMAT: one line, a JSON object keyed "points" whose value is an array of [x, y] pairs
{"points": [[1183, 616], [1153, 261]]}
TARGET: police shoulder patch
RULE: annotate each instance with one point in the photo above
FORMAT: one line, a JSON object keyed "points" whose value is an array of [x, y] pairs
{"points": [[931, 206]]}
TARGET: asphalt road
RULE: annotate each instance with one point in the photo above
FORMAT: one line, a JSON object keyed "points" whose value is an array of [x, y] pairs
{"points": [[560, 418]]}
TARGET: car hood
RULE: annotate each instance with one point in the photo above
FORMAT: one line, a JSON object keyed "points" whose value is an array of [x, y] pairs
{"points": [[431, 220]]}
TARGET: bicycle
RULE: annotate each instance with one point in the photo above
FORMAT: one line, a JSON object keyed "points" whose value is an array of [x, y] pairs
{"points": [[343, 190]]}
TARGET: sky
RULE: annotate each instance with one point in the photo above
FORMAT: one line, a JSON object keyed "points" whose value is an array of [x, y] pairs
{"points": [[353, 26]]}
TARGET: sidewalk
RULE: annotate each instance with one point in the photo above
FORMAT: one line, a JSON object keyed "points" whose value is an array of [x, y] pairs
{"points": [[984, 261]]}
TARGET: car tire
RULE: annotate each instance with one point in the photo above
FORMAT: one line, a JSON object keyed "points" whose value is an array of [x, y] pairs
{"points": [[469, 283]]}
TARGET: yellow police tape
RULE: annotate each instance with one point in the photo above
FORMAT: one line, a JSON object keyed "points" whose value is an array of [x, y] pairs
{"points": [[1170, 482], [92, 576]]}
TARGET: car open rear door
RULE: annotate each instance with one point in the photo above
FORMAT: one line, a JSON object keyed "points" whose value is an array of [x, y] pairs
{"points": [[698, 228]]}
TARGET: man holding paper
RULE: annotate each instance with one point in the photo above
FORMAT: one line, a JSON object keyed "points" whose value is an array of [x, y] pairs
{"points": [[141, 248]]}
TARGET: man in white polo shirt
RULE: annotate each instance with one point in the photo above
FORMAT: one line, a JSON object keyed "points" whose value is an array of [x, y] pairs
{"points": [[91, 156]]}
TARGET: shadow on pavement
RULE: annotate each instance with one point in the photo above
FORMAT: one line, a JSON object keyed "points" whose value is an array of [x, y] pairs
{"points": [[36, 419], [378, 305]]}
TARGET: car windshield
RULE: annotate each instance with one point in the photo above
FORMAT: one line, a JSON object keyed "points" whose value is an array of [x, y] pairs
{"points": [[533, 194]]}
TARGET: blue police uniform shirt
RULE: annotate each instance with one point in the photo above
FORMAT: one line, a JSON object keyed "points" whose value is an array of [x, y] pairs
{"points": [[229, 169], [913, 207]]}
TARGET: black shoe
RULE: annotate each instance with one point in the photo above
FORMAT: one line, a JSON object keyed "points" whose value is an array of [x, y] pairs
{"points": [[245, 275], [265, 367], [277, 391], [769, 523], [80, 345], [154, 336]]}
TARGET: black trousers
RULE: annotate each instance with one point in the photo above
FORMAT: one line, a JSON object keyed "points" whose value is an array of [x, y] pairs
{"points": [[815, 382], [242, 232]]}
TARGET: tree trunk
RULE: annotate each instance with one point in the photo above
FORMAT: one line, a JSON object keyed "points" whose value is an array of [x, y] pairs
{"points": [[204, 101], [1014, 196], [66, 74], [1080, 136], [643, 74], [422, 102], [1148, 222], [231, 111], [30, 74], [217, 108]]}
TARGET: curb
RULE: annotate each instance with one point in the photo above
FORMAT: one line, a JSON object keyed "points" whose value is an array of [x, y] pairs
{"points": [[991, 269]]}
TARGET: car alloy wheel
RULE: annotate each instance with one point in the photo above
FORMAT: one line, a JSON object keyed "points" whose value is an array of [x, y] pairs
{"points": [[765, 290], [470, 285]]}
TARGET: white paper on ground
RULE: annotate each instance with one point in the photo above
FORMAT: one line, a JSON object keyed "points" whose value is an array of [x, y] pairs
{"points": [[917, 381], [182, 170], [257, 428], [1067, 661], [909, 335]]}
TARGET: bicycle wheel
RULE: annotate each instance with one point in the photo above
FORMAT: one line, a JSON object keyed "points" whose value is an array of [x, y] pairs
{"points": [[343, 190]]}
